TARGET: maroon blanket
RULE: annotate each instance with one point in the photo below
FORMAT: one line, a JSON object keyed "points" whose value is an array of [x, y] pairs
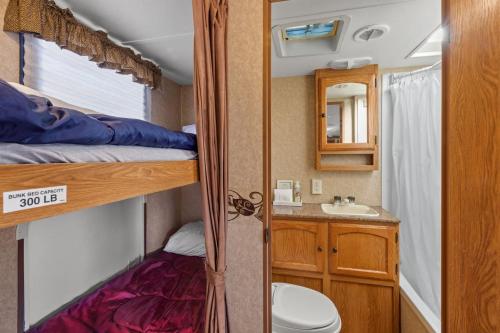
{"points": [[166, 293]]}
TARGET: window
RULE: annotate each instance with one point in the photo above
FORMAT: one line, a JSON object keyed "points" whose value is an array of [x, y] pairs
{"points": [[74, 79], [308, 31], [312, 37]]}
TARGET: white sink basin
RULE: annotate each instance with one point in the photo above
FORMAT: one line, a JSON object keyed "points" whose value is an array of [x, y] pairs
{"points": [[349, 210]]}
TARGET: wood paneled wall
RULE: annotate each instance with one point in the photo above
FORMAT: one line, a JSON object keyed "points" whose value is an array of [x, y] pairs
{"points": [[9, 71], [471, 164]]}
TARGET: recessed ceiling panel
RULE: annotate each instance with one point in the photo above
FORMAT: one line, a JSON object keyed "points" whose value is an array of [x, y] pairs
{"points": [[409, 22], [297, 8]]}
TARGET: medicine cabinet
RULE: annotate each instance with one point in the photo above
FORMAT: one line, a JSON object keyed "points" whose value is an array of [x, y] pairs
{"points": [[347, 119]]}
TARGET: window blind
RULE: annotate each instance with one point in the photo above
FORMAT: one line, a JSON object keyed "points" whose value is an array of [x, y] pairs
{"points": [[76, 80]]}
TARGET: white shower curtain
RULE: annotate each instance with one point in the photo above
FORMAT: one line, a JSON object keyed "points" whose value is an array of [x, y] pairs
{"points": [[412, 176]]}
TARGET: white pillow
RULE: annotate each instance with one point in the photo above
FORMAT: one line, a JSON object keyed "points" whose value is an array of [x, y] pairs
{"points": [[189, 129], [56, 102], [189, 240]]}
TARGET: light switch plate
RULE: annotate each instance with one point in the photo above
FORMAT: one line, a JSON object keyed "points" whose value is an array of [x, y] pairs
{"points": [[316, 186]]}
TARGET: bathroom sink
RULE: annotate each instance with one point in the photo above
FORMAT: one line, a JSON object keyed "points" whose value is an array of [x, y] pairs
{"points": [[348, 210]]}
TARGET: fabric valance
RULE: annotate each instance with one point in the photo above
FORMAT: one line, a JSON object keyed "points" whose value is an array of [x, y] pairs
{"points": [[46, 20]]}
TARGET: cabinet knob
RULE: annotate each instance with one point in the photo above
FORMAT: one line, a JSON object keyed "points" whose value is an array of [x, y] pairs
{"points": [[320, 249], [334, 250]]}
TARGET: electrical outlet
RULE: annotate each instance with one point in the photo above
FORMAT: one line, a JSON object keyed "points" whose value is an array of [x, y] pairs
{"points": [[316, 186]]}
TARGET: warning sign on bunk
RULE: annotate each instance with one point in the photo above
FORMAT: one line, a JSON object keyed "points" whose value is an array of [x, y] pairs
{"points": [[38, 197]]}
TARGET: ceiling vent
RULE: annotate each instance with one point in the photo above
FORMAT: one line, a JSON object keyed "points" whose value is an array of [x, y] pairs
{"points": [[350, 63], [312, 37], [371, 32]]}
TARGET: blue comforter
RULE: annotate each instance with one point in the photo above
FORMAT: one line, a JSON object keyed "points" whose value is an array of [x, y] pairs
{"points": [[28, 119]]}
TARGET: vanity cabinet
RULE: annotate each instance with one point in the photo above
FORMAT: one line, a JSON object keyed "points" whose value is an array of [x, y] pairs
{"points": [[354, 263]]}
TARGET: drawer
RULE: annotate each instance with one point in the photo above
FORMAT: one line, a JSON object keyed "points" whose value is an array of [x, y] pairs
{"points": [[299, 245]]}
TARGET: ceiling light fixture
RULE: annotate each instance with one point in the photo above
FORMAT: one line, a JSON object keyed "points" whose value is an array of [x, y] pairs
{"points": [[350, 63]]}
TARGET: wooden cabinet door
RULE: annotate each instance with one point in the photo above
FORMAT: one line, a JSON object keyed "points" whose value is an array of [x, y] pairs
{"points": [[363, 251], [299, 245], [365, 306]]}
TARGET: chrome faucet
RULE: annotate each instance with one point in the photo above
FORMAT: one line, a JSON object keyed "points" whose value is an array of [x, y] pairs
{"points": [[337, 200]]}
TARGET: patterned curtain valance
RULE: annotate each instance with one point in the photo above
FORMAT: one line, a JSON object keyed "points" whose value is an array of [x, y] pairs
{"points": [[46, 20]]}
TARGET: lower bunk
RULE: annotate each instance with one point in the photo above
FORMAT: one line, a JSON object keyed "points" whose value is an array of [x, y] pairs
{"points": [[164, 293]]}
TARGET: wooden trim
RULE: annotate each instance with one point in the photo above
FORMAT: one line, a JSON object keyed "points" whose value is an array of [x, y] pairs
{"points": [[422, 322], [267, 196], [91, 184], [336, 221], [470, 167], [284, 271], [348, 152], [349, 167], [362, 280]]}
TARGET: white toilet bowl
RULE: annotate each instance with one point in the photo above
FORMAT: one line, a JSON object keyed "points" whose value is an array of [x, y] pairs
{"points": [[297, 309]]}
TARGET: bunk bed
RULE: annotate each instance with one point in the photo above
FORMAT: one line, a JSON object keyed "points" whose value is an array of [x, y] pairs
{"points": [[90, 175], [165, 293]]}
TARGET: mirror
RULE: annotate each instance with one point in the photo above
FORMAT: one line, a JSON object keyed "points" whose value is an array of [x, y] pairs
{"points": [[346, 118], [347, 113]]}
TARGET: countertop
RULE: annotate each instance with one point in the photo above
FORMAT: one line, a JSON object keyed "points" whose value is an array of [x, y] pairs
{"points": [[313, 211]]}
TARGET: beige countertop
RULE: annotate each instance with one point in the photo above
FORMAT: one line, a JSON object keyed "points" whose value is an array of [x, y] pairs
{"points": [[313, 211]]}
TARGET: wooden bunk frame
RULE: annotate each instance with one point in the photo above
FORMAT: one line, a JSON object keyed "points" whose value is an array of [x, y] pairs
{"points": [[91, 184]]}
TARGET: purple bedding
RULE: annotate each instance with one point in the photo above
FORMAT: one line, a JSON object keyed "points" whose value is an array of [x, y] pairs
{"points": [[28, 119], [165, 293]]}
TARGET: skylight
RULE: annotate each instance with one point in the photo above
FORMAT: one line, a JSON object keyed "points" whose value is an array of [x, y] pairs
{"points": [[431, 46], [309, 31], [321, 35]]}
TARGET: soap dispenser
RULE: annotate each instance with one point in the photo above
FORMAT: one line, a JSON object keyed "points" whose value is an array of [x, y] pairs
{"points": [[297, 192]]}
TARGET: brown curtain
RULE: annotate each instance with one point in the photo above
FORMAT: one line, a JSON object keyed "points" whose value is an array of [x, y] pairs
{"points": [[210, 86], [46, 20]]}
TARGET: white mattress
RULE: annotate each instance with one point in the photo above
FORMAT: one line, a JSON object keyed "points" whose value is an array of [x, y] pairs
{"points": [[13, 153]]}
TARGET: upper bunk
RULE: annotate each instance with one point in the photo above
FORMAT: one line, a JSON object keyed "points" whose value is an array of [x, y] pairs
{"points": [[54, 160], [56, 157], [85, 185]]}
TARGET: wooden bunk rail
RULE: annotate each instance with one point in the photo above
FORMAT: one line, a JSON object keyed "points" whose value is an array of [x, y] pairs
{"points": [[91, 184]]}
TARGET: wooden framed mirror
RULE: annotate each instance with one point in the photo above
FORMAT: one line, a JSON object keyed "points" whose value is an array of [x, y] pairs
{"points": [[347, 117]]}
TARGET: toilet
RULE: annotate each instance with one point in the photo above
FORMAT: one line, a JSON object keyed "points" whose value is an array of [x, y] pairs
{"points": [[298, 309]]}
